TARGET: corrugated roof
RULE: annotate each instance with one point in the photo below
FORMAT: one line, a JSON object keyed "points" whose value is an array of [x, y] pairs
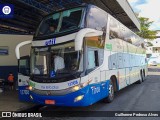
{"points": [[28, 13]]}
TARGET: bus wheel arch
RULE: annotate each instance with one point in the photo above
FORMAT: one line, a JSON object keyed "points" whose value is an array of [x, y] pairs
{"points": [[112, 89]]}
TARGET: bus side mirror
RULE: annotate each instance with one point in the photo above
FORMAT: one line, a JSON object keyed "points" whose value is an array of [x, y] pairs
{"points": [[87, 32]]}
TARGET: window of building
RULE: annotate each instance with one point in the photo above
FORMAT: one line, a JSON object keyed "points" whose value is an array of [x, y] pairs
{"points": [[4, 50]]}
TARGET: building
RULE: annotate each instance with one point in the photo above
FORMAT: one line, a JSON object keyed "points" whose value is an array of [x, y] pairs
{"points": [[153, 51]]}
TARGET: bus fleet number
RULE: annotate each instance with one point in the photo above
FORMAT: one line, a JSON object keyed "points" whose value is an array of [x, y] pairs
{"points": [[73, 83], [24, 92]]}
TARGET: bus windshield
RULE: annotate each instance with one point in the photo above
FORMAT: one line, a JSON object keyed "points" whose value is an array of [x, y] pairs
{"points": [[56, 61], [40, 58], [60, 22]]}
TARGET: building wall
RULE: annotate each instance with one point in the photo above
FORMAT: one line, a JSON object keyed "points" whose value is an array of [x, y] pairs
{"points": [[8, 63], [156, 42], [156, 45]]}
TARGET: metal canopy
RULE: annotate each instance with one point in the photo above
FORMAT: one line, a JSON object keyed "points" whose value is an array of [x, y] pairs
{"points": [[28, 13], [121, 10]]}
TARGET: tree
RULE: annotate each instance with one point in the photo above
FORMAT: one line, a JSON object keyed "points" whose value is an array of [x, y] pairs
{"points": [[149, 44], [145, 32]]}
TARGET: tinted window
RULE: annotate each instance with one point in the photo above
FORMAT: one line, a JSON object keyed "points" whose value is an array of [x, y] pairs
{"points": [[114, 31], [97, 42], [72, 21], [95, 52], [97, 19], [60, 22], [91, 59], [24, 66]]}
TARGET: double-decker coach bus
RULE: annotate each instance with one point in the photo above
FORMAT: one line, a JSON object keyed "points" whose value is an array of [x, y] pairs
{"points": [[82, 55]]}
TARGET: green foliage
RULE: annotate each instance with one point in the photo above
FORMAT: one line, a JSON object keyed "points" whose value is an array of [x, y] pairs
{"points": [[149, 44], [145, 32]]}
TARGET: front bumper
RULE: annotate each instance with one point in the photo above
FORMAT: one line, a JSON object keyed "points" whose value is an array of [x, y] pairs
{"points": [[64, 100]]}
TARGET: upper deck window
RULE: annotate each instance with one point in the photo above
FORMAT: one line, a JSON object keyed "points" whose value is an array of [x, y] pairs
{"points": [[97, 19], [60, 22]]}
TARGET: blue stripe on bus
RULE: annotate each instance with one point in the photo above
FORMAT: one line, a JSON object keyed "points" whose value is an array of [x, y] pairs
{"points": [[23, 94], [92, 93]]}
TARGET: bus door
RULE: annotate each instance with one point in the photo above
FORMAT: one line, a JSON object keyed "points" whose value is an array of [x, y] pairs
{"points": [[23, 78]]}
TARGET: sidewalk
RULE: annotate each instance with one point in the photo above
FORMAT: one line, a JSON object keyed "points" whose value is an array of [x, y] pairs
{"points": [[9, 102]]}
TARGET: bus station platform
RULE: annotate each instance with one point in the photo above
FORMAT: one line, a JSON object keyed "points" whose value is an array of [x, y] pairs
{"points": [[9, 101]]}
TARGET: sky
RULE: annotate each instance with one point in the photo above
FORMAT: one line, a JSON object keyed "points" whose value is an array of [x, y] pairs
{"points": [[149, 9]]}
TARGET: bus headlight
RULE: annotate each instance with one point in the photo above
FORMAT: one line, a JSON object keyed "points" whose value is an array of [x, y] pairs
{"points": [[76, 88], [30, 88], [82, 85], [78, 98]]}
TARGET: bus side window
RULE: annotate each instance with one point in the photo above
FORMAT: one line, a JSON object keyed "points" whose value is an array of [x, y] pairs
{"points": [[24, 67], [114, 29], [93, 60]]}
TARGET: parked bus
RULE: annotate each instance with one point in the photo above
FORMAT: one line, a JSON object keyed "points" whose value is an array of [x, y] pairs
{"points": [[82, 55], [23, 73], [23, 78]]}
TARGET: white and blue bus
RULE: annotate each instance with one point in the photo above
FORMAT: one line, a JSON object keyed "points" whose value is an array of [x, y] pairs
{"points": [[83, 55]]}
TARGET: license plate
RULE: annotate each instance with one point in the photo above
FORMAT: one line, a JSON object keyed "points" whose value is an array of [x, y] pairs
{"points": [[50, 102]]}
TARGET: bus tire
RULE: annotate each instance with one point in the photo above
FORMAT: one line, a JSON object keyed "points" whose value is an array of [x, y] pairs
{"points": [[110, 97], [141, 78], [144, 76]]}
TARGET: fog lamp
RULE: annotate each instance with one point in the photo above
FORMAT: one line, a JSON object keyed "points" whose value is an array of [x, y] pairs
{"points": [[78, 98]]}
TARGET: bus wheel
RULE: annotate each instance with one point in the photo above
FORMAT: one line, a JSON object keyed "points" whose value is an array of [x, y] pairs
{"points": [[141, 78], [110, 97]]}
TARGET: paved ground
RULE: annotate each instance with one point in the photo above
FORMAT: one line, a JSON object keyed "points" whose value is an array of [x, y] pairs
{"points": [[137, 97], [9, 102]]}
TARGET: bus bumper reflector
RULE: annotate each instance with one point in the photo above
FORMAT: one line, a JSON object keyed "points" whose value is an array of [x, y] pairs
{"points": [[31, 97]]}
